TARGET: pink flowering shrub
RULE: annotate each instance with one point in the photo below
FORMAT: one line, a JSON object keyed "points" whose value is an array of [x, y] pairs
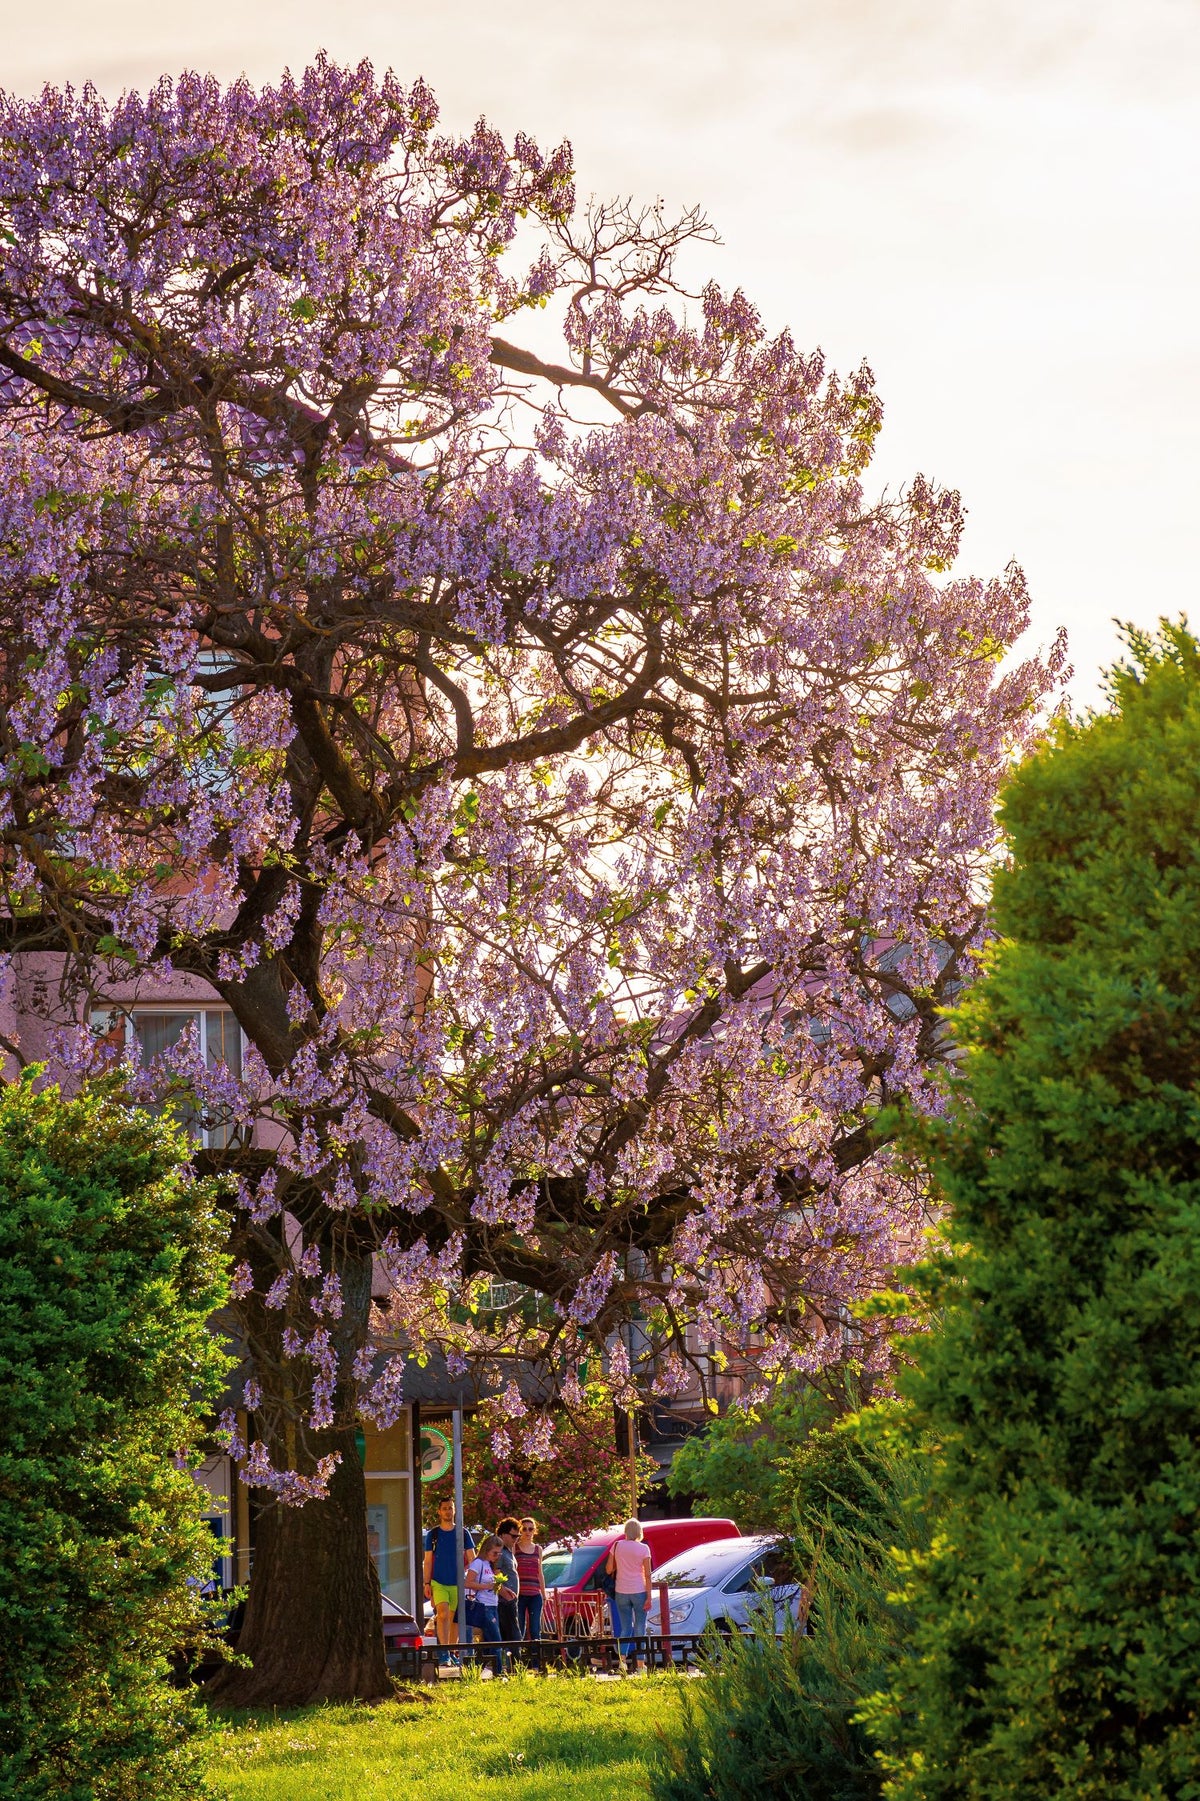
{"points": [[564, 1469]]}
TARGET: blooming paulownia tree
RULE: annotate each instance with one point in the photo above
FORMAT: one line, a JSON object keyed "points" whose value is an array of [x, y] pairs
{"points": [[477, 664]]}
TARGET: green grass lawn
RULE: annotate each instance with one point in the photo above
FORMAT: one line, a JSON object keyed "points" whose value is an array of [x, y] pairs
{"points": [[552, 1739]]}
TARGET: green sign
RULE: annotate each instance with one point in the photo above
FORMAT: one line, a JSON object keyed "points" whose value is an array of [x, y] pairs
{"points": [[436, 1454]]}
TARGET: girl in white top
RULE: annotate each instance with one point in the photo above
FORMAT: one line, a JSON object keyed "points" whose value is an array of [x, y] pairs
{"points": [[481, 1587]]}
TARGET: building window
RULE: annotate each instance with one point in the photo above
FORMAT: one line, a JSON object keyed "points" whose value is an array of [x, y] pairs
{"points": [[214, 1478], [152, 1030]]}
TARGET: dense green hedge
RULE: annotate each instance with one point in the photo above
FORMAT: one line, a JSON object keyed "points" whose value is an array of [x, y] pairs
{"points": [[109, 1270], [1057, 1636]]}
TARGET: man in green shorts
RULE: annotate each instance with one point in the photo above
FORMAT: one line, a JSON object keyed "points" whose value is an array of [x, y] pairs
{"points": [[447, 1554]]}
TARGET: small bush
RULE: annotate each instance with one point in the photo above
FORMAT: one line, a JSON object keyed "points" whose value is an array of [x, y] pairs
{"points": [[108, 1273], [853, 1476], [778, 1721]]}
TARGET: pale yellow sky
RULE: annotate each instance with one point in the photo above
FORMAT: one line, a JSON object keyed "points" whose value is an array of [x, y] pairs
{"points": [[993, 201]]}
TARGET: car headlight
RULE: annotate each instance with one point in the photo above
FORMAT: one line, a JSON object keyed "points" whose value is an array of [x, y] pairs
{"points": [[681, 1611]]}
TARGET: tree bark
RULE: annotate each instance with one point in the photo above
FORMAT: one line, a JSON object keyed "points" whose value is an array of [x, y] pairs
{"points": [[313, 1628]]}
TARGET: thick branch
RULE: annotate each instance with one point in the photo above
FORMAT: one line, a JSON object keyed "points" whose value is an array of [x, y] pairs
{"points": [[523, 362]]}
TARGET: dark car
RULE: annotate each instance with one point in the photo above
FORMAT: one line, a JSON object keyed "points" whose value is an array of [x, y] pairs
{"points": [[400, 1630]]}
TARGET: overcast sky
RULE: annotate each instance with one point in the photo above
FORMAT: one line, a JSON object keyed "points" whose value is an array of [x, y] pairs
{"points": [[993, 201]]}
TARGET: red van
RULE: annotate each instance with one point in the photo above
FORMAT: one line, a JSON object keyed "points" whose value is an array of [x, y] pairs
{"points": [[574, 1569]]}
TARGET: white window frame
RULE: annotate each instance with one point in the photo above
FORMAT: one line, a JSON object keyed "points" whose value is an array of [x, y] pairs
{"points": [[105, 1019]]}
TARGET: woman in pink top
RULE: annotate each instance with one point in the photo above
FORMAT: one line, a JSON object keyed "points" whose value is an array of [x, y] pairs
{"points": [[531, 1592], [629, 1563]]}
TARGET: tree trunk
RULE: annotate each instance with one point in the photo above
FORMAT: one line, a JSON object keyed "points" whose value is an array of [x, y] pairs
{"points": [[313, 1626], [313, 1629]]}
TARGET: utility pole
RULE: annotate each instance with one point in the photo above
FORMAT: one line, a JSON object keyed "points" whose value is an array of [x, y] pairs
{"points": [[631, 1416], [465, 1635]]}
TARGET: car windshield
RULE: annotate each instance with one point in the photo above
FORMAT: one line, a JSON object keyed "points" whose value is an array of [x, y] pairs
{"points": [[566, 1569], [700, 1568]]}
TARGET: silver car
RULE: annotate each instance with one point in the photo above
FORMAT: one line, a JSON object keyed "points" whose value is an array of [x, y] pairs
{"points": [[723, 1581]]}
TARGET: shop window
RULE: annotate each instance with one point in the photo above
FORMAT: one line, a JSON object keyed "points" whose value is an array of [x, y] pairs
{"points": [[388, 1475]]}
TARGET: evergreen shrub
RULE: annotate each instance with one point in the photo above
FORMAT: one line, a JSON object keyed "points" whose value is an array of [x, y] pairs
{"points": [[109, 1271], [1057, 1617]]}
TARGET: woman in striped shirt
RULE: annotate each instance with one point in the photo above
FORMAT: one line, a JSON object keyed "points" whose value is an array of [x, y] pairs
{"points": [[531, 1582]]}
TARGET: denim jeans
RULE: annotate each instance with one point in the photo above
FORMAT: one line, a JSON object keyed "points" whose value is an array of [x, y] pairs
{"points": [[529, 1616], [631, 1613], [488, 1625]]}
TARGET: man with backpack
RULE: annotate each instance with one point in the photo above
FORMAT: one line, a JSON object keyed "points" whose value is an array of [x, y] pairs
{"points": [[447, 1554]]}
